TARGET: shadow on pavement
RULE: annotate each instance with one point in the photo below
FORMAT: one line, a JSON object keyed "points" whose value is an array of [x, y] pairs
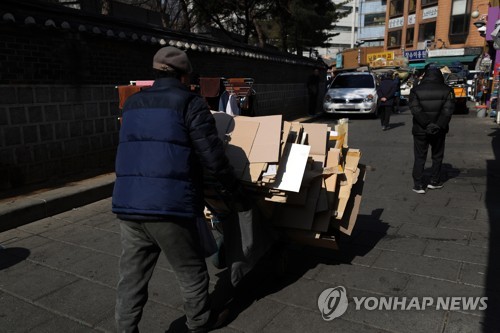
{"points": [[491, 320], [12, 256], [286, 263], [395, 125]]}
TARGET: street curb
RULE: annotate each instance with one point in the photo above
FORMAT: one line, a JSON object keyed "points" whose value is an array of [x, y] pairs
{"points": [[25, 209]]}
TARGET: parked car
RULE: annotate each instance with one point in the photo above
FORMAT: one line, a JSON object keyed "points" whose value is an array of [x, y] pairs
{"points": [[405, 92], [352, 93]]}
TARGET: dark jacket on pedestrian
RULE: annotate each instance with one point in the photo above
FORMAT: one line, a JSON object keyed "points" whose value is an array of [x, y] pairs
{"points": [[167, 135], [432, 102], [386, 89]]}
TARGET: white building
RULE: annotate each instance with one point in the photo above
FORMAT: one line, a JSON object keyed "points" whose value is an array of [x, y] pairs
{"points": [[365, 23]]}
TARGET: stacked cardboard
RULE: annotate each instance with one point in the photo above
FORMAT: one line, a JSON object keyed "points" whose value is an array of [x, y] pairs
{"points": [[304, 176]]}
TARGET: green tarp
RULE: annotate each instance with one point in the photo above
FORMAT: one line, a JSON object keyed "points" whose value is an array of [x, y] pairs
{"points": [[417, 65], [448, 61]]}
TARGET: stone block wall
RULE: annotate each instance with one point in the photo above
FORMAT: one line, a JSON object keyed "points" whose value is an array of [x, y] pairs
{"points": [[58, 73], [49, 131]]}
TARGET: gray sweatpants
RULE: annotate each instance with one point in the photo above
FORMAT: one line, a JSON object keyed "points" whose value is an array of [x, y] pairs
{"points": [[142, 243]]}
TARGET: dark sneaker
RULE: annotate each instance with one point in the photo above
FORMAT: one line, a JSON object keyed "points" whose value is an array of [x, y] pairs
{"points": [[435, 185], [419, 189]]}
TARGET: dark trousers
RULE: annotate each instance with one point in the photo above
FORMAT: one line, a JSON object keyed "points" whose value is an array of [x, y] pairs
{"points": [[142, 243], [397, 102], [421, 145], [313, 99], [385, 114]]}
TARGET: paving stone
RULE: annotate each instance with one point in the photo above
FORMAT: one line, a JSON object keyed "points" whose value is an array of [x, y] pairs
{"points": [[430, 233], [32, 281], [75, 215], [99, 267], [425, 287], [458, 252], [474, 274], [463, 323], [62, 324], [466, 202], [489, 214], [303, 293], [464, 224], [13, 235], [306, 264], [96, 219], [458, 188], [14, 318], [427, 320], [28, 243], [88, 237], [419, 265], [364, 258], [44, 225], [410, 218], [59, 255], [100, 206], [83, 300], [293, 320], [364, 278], [459, 212], [480, 239], [256, 316], [402, 244], [102, 221]]}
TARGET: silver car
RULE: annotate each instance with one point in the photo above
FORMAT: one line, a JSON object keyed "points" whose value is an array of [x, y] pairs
{"points": [[352, 92]]}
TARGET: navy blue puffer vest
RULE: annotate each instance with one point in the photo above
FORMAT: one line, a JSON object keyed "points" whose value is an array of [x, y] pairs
{"points": [[157, 173]]}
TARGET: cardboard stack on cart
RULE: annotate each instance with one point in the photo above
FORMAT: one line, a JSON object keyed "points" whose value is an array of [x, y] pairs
{"points": [[305, 177]]}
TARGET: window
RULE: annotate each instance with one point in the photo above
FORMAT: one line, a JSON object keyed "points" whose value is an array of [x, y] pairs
{"points": [[374, 19], [396, 8], [353, 81], [410, 36], [344, 28], [394, 38], [429, 2], [459, 21], [427, 31], [412, 6]]}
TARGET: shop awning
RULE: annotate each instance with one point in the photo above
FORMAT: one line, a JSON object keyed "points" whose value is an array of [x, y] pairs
{"points": [[417, 65], [448, 61]]}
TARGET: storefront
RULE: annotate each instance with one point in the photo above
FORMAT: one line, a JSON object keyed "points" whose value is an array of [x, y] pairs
{"points": [[449, 57]]}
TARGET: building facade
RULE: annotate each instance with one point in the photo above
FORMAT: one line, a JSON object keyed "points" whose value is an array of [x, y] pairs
{"points": [[372, 20], [432, 31], [346, 29]]}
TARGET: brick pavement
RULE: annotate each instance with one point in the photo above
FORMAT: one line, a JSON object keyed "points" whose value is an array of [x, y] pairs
{"points": [[58, 274]]}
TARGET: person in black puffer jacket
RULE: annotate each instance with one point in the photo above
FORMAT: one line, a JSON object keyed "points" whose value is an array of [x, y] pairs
{"points": [[432, 104], [168, 139]]}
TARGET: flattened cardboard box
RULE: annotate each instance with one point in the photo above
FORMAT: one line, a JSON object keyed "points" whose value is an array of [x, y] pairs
{"points": [[348, 221]]}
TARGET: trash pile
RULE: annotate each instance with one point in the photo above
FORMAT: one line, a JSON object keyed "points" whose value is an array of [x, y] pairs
{"points": [[303, 176]]}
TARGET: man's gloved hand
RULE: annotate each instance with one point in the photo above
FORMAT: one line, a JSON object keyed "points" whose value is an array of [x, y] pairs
{"points": [[242, 200], [432, 129], [237, 199]]}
